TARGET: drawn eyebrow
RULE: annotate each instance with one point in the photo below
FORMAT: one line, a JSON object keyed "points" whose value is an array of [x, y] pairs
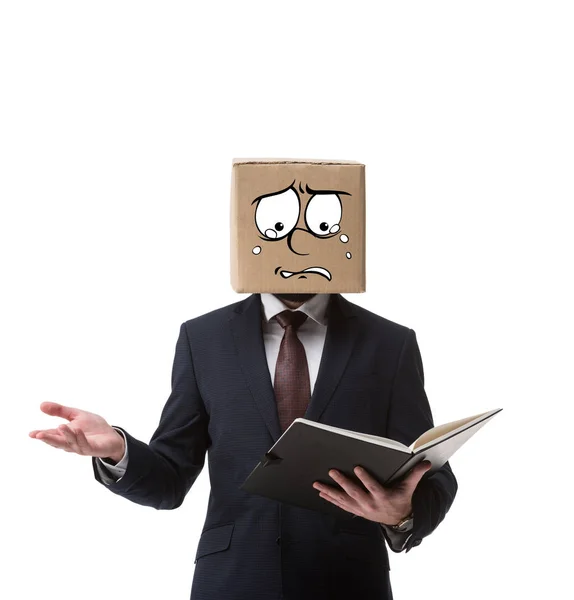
{"points": [[317, 192], [289, 187]]}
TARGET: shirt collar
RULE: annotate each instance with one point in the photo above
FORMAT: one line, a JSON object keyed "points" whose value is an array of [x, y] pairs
{"points": [[315, 307]]}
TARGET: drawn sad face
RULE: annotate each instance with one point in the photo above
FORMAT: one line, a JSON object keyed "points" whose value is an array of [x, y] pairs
{"points": [[298, 217]]}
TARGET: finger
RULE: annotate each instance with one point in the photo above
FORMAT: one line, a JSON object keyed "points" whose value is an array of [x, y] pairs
{"points": [[70, 437], [82, 442], [55, 441], [58, 446], [341, 499], [336, 495], [417, 473], [369, 481], [55, 432], [45, 433], [76, 439], [330, 491], [334, 501], [423, 467], [329, 498], [351, 488], [59, 410]]}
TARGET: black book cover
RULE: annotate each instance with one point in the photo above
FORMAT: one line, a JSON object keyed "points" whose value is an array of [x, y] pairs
{"points": [[307, 454]]}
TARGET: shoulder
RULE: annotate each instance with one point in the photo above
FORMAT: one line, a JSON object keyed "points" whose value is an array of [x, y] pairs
{"points": [[214, 318], [375, 323]]}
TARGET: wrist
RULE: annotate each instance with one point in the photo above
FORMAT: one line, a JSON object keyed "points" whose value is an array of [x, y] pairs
{"points": [[403, 524], [118, 454], [406, 514]]}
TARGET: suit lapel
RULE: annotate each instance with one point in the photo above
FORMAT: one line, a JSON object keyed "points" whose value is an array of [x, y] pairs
{"points": [[339, 342], [248, 336]]}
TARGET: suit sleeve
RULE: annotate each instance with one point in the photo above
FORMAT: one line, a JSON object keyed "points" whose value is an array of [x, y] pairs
{"points": [[160, 474], [395, 539], [409, 417], [110, 472]]}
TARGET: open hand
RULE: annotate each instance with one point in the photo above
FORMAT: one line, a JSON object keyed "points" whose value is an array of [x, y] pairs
{"points": [[87, 433], [386, 505]]}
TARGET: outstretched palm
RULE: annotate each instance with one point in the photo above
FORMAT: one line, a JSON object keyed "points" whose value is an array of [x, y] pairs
{"points": [[86, 433]]}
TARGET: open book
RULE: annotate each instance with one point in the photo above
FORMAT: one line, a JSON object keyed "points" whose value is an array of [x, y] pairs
{"points": [[308, 450]]}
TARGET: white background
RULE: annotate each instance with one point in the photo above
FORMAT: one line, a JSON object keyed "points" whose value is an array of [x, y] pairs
{"points": [[118, 123]]}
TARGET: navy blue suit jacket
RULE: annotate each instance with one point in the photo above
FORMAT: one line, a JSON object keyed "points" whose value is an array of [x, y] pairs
{"points": [[222, 403]]}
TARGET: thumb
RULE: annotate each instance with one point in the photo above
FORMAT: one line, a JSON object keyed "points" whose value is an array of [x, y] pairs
{"points": [[418, 472], [58, 410]]}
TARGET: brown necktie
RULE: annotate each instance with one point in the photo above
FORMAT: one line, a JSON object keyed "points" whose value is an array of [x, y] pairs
{"points": [[291, 383]]}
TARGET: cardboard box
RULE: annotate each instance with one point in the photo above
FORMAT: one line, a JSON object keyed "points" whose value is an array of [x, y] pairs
{"points": [[297, 226]]}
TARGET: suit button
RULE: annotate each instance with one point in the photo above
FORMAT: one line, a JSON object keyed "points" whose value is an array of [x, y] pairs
{"points": [[278, 541]]}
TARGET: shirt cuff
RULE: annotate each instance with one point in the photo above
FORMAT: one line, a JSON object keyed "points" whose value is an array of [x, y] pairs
{"points": [[117, 471], [397, 540]]}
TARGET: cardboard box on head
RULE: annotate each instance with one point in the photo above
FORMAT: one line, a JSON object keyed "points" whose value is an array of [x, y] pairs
{"points": [[297, 226]]}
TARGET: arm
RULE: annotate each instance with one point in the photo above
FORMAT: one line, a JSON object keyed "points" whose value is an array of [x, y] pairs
{"points": [[409, 417], [160, 474]]}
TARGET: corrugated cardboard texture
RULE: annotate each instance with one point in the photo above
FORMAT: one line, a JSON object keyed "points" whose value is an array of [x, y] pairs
{"points": [[297, 226]]}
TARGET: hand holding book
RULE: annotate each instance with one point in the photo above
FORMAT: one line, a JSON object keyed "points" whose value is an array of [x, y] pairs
{"points": [[372, 501], [308, 451]]}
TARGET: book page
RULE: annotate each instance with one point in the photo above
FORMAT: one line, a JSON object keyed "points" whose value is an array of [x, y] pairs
{"points": [[438, 448], [440, 430], [367, 437]]}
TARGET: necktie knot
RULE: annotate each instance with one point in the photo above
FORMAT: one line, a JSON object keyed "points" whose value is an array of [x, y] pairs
{"points": [[291, 318]]}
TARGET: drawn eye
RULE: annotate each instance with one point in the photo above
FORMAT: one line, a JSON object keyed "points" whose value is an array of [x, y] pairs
{"points": [[323, 214], [277, 214]]}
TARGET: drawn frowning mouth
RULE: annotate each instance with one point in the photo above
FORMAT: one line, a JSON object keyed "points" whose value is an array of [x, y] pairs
{"points": [[318, 270]]}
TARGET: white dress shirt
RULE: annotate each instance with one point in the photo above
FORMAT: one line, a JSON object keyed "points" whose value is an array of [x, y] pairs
{"points": [[312, 334]]}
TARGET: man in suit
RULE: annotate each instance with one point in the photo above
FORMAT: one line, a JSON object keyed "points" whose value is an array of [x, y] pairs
{"points": [[240, 375]]}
